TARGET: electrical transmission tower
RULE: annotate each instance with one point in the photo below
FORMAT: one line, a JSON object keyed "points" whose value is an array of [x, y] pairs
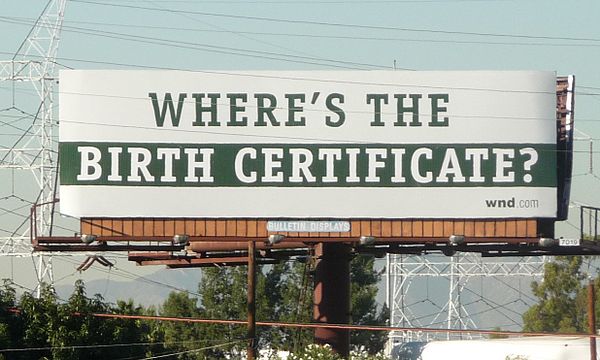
{"points": [[28, 152], [417, 296]]}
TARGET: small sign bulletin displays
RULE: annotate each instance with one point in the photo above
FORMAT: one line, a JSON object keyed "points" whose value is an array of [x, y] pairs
{"points": [[315, 144]]}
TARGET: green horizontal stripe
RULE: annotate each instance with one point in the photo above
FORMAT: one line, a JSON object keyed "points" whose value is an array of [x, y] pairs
{"points": [[223, 173]]}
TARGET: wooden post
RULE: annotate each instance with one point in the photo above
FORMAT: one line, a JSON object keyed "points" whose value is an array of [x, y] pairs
{"points": [[251, 348], [592, 319], [332, 295]]}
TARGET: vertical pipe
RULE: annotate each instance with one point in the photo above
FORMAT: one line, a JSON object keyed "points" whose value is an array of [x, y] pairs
{"points": [[581, 222], [251, 348], [595, 225], [332, 295], [590, 223], [452, 299], [591, 169], [388, 289], [31, 222], [592, 319]]}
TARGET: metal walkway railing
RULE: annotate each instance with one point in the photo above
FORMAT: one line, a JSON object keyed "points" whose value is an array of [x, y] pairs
{"points": [[588, 223]]}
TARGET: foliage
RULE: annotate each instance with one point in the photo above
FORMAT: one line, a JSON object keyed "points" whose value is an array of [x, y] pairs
{"points": [[10, 327], [324, 352], [315, 352], [363, 290], [561, 297], [296, 298], [67, 330], [283, 293], [223, 296], [363, 354], [41, 322], [70, 330], [181, 336]]}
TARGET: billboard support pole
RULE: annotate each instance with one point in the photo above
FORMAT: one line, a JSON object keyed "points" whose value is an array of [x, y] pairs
{"points": [[332, 295], [251, 349]]}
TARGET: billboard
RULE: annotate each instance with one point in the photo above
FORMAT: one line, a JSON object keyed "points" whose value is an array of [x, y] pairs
{"points": [[313, 144]]}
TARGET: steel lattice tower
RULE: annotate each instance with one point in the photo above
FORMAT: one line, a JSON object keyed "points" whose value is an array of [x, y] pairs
{"points": [[28, 159], [456, 273]]}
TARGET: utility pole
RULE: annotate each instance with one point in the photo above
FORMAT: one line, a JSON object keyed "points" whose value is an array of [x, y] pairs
{"points": [[251, 349], [592, 319]]}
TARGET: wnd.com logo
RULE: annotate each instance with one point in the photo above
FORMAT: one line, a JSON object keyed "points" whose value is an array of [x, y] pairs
{"points": [[513, 203], [504, 203]]}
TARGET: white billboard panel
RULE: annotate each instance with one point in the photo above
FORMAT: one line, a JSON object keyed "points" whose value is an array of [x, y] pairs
{"points": [[343, 144]]}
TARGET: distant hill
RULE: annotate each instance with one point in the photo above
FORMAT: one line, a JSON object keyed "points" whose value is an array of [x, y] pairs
{"points": [[147, 290]]}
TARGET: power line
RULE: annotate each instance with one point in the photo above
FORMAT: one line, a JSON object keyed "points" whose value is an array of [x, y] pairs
{"points": [[334, 24], [312, 110], [313, 36], [131, 276], [101, 346], [196, 350], [222, 133], [313, 2], [258, 74], [282, 138], [244, 36], [213, 48], [336, 326]]}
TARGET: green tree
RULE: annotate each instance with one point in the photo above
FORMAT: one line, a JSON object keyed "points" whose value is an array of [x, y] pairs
{"points": [[78, 327], [313, 352], [134, 331], [71, 330], [561, 305], [297, 293], [363, 289], [224, 296], [10, 323], [284, 293], [182, 336], [41, 322]]}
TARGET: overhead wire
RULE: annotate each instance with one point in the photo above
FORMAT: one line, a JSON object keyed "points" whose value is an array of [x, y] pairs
{"points": [[518, 291], [31, 30], [588, 87], [494, 306], [335, 24], [308, 35], [311, 2], [302, 59], [338, 326], [241, 35], [492, 89], [195, 350], [131, 276], [259, 74], [314, 110], [103, 346], [282, 138]]}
